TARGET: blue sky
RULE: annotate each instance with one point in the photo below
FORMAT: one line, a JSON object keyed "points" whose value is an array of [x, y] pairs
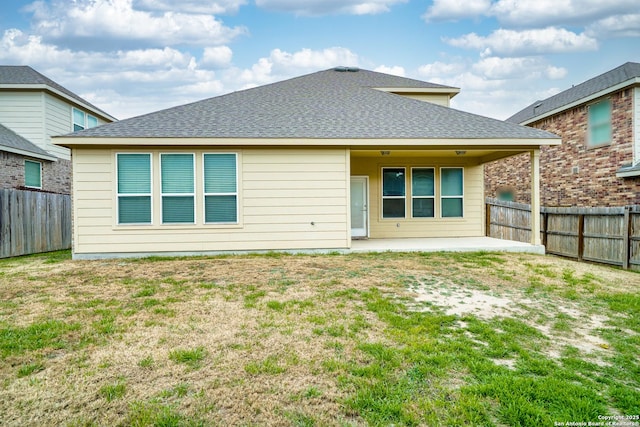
{"points": [[131, 57]]}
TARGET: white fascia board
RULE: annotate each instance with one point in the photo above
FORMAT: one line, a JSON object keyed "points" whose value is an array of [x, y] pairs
{"points": [[69, 141]]}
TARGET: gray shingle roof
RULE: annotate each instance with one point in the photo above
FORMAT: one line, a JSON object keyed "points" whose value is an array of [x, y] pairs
{"points": [[592, 86], [27, 76], [10, 139], [328, 104]]}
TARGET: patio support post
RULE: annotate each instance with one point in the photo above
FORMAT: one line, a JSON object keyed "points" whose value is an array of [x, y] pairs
{"points": [[535, 197]]}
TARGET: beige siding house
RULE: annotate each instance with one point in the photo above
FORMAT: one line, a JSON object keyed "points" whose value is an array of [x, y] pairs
{"points": [[310, 163], [33, 108]]}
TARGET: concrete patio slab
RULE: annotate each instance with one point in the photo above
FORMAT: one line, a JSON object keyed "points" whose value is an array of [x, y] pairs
{"points": [[453, 244]]}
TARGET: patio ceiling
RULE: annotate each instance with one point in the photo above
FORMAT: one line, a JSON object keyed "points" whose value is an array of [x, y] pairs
{"points": [[474, 156]]}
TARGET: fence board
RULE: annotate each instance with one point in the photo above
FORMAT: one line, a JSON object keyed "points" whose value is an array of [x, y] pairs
{"points": [[634, 244], [604, 235], [562, 235], [32, 222]]}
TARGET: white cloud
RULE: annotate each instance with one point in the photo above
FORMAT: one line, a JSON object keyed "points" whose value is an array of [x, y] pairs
{"points": [[326, 7], [440, 70], [259, 73], [494, 87], [452, 10], [556, 73], [21, 48], [495, 68], [191, 6], [152, 58], [280, 65], [616, 26], [217, 57], [122, 83], [531, 13], [307, 59], [395, 70], [109, 21], [527, 42], [17, 47]]}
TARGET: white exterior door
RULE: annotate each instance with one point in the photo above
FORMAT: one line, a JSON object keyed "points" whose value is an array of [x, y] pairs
{"points": [[359, 206]]}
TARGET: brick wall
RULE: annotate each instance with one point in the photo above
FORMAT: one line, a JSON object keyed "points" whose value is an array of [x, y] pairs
{"points": [[56, 176], [573, 174]]}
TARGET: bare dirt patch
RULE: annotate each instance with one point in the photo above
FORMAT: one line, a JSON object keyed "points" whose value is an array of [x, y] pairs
{"points": [[581, 330]]}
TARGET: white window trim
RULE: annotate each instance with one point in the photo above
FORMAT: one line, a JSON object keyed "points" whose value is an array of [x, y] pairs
{"points": [[193, 194], [150, 194], [25, 174], [205, 194], [442, 197], [393, 197], [85, 120], [424, 197]]}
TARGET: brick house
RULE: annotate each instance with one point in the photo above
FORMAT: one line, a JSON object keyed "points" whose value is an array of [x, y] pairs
{"points": [[33, 108], [598, 162]]}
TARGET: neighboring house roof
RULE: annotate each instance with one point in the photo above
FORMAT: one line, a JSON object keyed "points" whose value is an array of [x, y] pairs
{"points": [[25, 77], [14, 143], [339, 103], [614, 80]]}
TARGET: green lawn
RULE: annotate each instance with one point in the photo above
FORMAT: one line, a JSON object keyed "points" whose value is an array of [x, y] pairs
{"points": [[480, 339]]}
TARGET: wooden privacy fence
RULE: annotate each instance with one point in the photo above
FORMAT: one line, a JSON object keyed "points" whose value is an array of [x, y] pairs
{"points": [[604, 235], [32, 222]]}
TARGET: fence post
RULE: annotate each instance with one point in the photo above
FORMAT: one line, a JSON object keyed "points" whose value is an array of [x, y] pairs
{"points": [[580, 236], [487, 220], [626, 237], [545, 219]]}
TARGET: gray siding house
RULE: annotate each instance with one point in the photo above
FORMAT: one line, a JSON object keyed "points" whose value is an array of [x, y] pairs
{"points": [[33, 108]]}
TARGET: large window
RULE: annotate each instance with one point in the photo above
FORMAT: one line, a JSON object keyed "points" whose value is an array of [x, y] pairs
{"points": [[393, 193], [81, 120], [599, 123], [422, 192], [451, 192], [134, 188], [220, 188], [177, 187], [32, 174]]}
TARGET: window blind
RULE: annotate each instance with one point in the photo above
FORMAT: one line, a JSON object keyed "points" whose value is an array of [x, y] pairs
{"points": [[134, 188], [220, 188], [32, 174]]}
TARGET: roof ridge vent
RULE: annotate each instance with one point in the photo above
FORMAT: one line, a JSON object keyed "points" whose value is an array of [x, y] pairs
{"points": [[343, 69]]}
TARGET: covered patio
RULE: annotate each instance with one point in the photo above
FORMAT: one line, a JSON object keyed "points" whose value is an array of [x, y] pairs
{"points": [[444, 244]]}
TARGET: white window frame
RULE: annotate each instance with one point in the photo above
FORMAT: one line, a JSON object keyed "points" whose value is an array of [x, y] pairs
{"points": [[205, 194], [435, 184], [443, 197], [39, 187], [404, 198], [192, 194], [150, 194], [85, 120]]}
